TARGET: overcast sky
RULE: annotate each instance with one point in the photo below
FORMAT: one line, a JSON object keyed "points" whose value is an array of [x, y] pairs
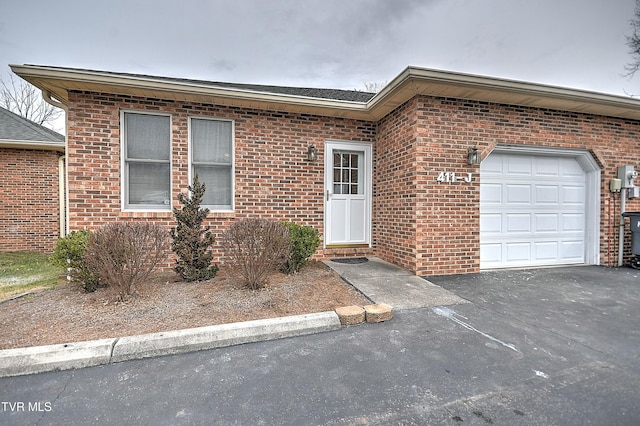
{"points": [[327, 43]]}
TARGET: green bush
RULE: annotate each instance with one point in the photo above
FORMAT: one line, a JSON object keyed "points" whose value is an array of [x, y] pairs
{"points": [[191, 240], [304, 241], [69, 253]]}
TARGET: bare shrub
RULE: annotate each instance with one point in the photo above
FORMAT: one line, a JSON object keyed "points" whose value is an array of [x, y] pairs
{"points": [[123, 255], [256, 248]]}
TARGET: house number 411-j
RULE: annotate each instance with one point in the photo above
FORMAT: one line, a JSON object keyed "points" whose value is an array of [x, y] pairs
{"points": [[450, 177]]}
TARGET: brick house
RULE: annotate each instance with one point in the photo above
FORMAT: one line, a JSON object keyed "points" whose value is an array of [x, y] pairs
{"points": [[31, 164], [393, 174]]}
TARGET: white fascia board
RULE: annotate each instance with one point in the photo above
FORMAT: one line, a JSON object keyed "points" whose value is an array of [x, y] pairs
{"points": [[48, 146], [187, 87], [410, 82], [419, 78]]}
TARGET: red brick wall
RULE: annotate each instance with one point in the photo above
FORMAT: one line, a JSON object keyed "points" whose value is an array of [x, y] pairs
{"points": [[448, 223], [273, 179], [426, 226], [395, 196], [29, 214], [446, 230]]}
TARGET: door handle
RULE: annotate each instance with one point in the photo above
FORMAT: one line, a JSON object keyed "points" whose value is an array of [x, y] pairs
{"points": [[328, 195]]}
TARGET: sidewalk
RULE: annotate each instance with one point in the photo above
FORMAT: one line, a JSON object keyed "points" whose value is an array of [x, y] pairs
{"points": [[383, 282]]}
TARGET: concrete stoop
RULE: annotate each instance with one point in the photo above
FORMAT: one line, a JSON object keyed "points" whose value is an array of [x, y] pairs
{"points": [[352, 315]]}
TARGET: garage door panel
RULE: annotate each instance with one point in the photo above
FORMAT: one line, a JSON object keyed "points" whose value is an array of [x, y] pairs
{"points": [[491, 223], [518, 194], [547, 194], [572, 251], [571, 169], [532, 211], [521, 166], [492, 193], [517, 252], [547, 222], [492, 166], [491, 254], [546, 251], [549, 167], [573, 195], [518, 222], [573, 222]]}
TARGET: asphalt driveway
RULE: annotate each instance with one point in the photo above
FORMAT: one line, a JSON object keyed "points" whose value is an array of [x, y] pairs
{"points": [[542, 347], [591, 306]]}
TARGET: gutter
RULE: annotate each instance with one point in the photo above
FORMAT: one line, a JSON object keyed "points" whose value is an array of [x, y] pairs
{"points": [[32, 73], [61, 197], [63, 205], [20, 144], [56, 82], [423, 81], [46, 94]]}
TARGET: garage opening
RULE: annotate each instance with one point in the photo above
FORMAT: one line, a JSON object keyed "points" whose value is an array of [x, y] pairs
{"points": [[539, 207]]}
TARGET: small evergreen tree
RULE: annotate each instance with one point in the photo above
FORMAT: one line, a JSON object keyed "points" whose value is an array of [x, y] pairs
{"points": [[191, 240]]}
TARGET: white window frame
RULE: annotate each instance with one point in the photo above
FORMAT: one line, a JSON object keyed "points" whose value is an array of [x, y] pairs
{"points": [[216, 208], [124, 176]]}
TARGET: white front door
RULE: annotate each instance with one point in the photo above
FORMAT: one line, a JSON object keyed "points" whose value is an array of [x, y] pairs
{"points": [[347, 194]]}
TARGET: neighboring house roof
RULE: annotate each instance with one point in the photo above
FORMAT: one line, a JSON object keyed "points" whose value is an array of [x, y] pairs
{"points": [[56, 82], [18, 132]]}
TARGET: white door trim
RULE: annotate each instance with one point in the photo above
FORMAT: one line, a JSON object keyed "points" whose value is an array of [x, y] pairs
{"points": [[592, 201], [366, 148]]}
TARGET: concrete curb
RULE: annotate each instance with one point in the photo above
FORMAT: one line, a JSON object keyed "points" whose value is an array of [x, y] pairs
{"points": [[217, 336], [38, 359]]}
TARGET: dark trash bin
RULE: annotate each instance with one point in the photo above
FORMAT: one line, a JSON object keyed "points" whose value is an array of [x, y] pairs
{"points": [[634, 217]]}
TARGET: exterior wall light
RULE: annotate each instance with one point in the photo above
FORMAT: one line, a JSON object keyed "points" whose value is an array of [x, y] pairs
{"points": [[312, 154], [473, 156]]}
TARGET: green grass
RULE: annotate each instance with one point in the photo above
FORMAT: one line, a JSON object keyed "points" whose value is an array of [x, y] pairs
{"points": [[22, 271]]}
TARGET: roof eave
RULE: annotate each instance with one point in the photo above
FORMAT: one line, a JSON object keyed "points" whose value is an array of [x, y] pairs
{"points": [[59, 81], [36, 145], [420, 81], [409, 83]]}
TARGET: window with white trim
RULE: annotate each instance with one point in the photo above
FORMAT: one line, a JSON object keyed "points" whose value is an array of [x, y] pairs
{"points": [[146, 147], [212, 160]]}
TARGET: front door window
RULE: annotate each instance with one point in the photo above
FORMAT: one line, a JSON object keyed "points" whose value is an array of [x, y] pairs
{"points": [[347, 171]]}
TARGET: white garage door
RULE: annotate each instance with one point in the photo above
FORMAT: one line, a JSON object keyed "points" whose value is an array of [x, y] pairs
{"points": [[532, 211]]}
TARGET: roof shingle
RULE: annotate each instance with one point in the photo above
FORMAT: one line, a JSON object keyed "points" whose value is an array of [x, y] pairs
{"points": [[307, 92], [16, 128]]}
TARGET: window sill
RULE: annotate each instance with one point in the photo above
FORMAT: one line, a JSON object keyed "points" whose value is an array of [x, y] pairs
{"points": [[146, 213]]}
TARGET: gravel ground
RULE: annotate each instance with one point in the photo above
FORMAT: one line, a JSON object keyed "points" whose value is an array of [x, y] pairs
{"points": [[67, 314]]}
